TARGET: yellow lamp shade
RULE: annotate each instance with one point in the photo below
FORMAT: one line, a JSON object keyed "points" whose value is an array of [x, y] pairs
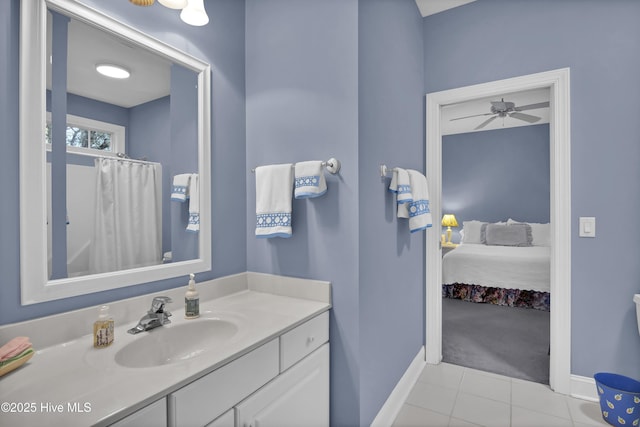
{"points": [[449, 220]]}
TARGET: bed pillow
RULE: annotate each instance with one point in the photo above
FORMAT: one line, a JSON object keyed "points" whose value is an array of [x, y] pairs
{"points": [[472, 231], [508, 234], [541, 233]]}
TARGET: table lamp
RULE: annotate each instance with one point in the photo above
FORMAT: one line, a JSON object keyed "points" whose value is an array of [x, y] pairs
{"points": [[449, 220]]}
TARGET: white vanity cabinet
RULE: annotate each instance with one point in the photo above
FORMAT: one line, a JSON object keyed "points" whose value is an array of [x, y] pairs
{"points": [[205, 399], [284, 382], [153, 415], [297, 397]]}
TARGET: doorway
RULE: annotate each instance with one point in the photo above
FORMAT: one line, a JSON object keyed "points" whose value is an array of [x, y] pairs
{"points": [[557, 81]]}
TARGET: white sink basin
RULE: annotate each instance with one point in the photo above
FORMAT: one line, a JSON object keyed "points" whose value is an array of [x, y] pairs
{"points": [[175, 343]]}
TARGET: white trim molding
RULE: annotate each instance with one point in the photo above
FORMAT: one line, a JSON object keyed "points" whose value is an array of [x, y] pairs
{"points": [[34, 281], [557, 81], [584, 388], [398, 396]]}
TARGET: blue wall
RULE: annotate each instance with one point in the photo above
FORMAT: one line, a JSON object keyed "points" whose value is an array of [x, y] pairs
{"points": [[302, 104], [222, 45], [489, 40], [391, 131], [344, 79], [496, 174]]}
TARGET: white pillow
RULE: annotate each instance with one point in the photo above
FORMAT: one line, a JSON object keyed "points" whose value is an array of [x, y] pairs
{"points": [[472, 231], [541, 233]]}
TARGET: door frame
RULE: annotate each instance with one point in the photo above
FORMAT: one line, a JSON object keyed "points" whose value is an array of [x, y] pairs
{"points": [[560, 212]]}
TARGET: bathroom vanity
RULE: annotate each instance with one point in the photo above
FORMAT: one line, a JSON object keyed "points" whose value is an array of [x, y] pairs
{"points": [[258, 355]]}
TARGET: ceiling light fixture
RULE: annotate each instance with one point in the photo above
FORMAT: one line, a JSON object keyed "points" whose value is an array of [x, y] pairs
{"points": [[174, 4], [194, 13], [142, 2], [113, 71]]}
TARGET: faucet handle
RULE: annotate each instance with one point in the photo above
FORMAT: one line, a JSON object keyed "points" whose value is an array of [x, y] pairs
{"points": [[158, 303]]}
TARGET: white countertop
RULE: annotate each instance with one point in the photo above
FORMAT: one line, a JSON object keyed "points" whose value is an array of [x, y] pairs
{"points": [[62, 380]]}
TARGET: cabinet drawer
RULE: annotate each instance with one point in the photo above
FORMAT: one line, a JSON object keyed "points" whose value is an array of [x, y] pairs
{"points": [[297, 343], [153, 415], [210, 396], [226, 420]]}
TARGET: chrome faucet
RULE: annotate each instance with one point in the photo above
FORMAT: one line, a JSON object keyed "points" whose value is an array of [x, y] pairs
{"points": [[156, 316]]}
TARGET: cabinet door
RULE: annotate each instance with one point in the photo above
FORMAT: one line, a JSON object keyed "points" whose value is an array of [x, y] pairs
{"points": [[298, 397], [153, 415]]}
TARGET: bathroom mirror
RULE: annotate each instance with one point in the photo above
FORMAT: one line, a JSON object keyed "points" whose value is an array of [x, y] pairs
{"points": [[72, 241]]}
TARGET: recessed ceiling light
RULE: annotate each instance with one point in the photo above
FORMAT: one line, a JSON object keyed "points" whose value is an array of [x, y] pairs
{"points": [[113, 71]]}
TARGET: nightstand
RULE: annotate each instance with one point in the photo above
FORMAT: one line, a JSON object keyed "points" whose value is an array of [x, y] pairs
{"points": [[446, 247]]}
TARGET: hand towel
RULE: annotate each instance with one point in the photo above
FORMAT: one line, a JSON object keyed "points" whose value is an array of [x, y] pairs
{"points": [[14, 347], [180, 187], [417, 210], [309, 180], [274, 185], [194, 203], [401, 186]]}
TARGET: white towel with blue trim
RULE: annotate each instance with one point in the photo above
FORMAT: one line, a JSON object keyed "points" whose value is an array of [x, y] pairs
{"points": [[417, 210], [401, 186], [180, 187], [309, 180], [274, 185], [194, 203]]}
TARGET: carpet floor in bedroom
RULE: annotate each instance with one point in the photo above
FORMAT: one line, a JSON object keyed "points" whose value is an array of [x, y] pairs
{"points": [[510, 341]]}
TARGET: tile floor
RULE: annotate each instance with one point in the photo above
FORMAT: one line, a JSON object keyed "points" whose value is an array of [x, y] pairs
{"points": [[451, 395]]}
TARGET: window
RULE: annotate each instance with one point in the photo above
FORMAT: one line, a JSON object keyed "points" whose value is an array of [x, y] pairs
{"points": [[87, 136]]}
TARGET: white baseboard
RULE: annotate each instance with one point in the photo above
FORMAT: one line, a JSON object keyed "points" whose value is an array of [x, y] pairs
{"points": [[584, 388], [396, 399]]}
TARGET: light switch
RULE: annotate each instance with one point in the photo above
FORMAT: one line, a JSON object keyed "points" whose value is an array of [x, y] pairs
{"points": [[587, 226]]}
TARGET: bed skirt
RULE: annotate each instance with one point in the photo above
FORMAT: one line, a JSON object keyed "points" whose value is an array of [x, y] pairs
{"points": [[500, 296]]}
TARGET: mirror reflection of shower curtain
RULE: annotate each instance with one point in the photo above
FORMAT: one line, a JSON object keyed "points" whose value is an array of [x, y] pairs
{"points": [[128, 216]]}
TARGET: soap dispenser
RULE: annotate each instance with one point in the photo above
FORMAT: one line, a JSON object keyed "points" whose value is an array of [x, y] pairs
{"points": [[191, 300], [103, 328]]}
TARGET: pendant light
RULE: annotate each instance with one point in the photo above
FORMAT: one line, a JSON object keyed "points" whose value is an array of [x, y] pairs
{"points": [[174, 4], [194, 13]]}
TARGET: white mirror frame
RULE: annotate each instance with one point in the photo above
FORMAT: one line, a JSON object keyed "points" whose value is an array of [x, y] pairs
{"points": [[35, 285]]}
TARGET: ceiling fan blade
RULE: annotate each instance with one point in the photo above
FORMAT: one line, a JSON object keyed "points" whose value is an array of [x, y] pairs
{"points": [[526, 117], [532, 106], [466, 117], [486, 122]]}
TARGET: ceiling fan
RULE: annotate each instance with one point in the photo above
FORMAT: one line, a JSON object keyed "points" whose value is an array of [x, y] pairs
{"points": [[507, 109]]}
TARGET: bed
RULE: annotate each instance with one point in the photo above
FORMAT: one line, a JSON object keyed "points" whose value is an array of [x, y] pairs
{"points": [[491, 268]]}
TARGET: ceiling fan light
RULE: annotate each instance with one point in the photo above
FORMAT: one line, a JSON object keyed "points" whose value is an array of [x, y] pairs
{"points": [[194, 14], [174, 4], [113, 71]]}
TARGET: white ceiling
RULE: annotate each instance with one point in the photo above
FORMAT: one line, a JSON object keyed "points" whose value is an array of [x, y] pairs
{"points": [[483, 106], [429, 7], [88, 46]]}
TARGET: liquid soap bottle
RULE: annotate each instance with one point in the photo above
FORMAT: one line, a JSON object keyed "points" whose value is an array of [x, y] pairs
{"points": [[191, 300], [103, 329]]}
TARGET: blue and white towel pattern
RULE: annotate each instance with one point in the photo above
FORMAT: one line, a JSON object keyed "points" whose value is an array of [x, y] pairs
{"points": [[309, 180], [274, 185], [180, 187], [401, 186], [194, 204], [414, 204]]}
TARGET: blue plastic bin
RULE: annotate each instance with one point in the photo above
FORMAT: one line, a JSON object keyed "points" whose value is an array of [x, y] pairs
{"points": [[619, 399]]}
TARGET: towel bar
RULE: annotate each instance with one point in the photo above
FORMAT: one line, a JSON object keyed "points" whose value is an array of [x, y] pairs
{"points": [[384, 170], [332, 165]]}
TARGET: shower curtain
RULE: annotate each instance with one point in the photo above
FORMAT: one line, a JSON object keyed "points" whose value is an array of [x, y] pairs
{"points": [[128, 216]]}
